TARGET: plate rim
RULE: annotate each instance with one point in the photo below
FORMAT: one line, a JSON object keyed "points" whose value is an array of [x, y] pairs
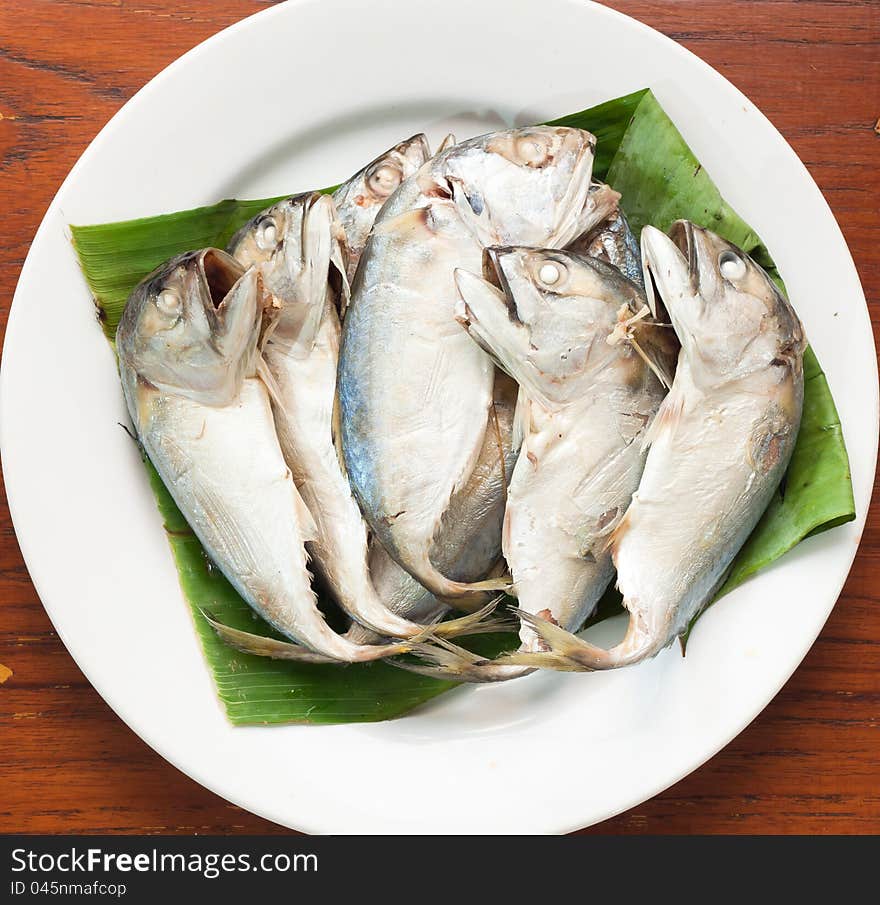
{"points": [[29, 552]]}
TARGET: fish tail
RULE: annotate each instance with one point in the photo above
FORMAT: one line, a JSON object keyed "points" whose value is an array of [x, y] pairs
{"points": [[444, 587], [451, 663], [480, 622], [566, 652], [260, 646]]}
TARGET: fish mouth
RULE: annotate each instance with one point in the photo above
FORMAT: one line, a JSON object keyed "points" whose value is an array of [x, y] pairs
{"points": [[218, 272], [317, 217], [324, 244], [415, 149], [581, 207], [482, 298], [669, 265], [301, 259], [494, 275], [682, 235]]}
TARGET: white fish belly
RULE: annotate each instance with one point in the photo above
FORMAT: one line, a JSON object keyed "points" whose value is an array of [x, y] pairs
{"points": [[225, 470]]}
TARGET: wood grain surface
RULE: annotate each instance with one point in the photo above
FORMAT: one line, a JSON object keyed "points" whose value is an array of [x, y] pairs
{"points": [[809, 764]]}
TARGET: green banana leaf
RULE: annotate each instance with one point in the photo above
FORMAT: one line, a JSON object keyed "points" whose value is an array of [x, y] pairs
{"points": [[642, 155]]}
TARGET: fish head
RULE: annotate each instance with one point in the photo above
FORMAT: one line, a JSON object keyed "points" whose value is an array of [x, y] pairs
{"points": [[298, 246], [191, 326], [378, 180], [729, 315], [359, 199], [528, 186], [545, 315]]}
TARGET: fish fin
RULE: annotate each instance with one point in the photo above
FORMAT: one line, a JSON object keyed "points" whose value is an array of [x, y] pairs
{"points": [[417, 220], [467, 603], [616, 534], [265, 374], [427, 574], [566, 652], [447, 143], [476, 623], [452, 663], [522, 418], [667, 418], [625, 330], [501, 583], [260, 646], [537, 660], [308, 526], [563, 646], [450, 670], [654, 364]]}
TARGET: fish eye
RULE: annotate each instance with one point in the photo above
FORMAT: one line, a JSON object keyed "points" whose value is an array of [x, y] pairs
{"points": [[532, 150], [169, 303], [267, 233], [731, 265], [551, 274], [383, 179]]}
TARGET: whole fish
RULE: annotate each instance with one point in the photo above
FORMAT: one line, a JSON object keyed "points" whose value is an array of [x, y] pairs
{"points": [[297, 246], [358, 202], [359, 199], [414, 391], [585, 407], [476, 539], [188, 352], [719, 445]]}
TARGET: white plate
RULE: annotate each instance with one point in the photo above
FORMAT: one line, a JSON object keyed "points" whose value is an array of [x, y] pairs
{"points": [[299, 96]]}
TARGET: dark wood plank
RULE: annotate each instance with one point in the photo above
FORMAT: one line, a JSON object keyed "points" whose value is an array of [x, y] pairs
{"points": [[808, 764]]}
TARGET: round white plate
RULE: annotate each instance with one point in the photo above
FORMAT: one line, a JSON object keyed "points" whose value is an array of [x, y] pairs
{"points": [[300, 96]]}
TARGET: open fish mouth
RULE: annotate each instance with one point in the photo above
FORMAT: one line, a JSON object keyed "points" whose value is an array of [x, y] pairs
{"points": [[494, 275], [418, 144], [682, 234], [669, 265], [316, 214], [218, 274]]}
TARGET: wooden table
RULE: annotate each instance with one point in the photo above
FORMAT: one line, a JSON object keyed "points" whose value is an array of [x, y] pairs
{"points": [[809, 764]]}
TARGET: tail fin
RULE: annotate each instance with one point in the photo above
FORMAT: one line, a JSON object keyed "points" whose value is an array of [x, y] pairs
{"points": [[479, 623], [452, 663], [568, 653], [440, 586], [260, 646]]}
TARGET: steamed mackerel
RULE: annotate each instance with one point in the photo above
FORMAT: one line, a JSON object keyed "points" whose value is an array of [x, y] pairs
{"points": [[297, 246], [414, 391], [719, 445], [187, 345]]}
